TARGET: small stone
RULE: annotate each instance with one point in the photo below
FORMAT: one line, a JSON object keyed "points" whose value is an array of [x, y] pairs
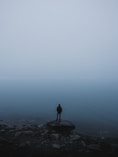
{"points": [[28, 132], [74, 137], [95, 147], [2, 130], [56, 146], [55, 136], [102, 138], [21, 145], [83, 144], [40, 126], [3, 140], [17, 134], [28, 143]]}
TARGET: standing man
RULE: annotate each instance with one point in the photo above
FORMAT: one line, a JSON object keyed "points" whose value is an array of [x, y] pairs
{"points": [[59, 110]]}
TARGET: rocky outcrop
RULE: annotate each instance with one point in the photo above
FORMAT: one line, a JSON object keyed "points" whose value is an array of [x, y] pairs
{"points": [[33, 139], [62, 126]]}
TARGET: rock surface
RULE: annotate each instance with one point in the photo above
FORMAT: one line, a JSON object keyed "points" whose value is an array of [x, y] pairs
{"points": [[42, 140], [63, 125]]}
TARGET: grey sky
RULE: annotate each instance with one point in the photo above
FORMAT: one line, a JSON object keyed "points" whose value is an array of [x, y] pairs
{"points": [[66, 39]]}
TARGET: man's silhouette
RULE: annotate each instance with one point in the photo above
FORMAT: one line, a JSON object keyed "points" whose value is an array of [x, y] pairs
{"points": [[59, 110]]}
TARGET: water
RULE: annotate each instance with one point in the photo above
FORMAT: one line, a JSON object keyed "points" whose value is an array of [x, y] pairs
{"points": [[92, 105]]}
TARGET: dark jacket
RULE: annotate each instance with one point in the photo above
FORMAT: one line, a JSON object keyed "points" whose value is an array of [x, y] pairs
{"points": [[59, 109]]}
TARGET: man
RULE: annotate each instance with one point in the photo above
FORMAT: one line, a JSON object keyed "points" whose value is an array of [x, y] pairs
{"points": [[59, 110]]}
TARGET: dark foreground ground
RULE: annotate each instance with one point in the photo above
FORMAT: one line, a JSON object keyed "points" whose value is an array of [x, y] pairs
{"points": [[31, 140]]}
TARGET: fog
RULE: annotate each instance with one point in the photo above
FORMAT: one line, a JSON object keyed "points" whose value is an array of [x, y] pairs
{"points": [[60, 52], [58, 39]]}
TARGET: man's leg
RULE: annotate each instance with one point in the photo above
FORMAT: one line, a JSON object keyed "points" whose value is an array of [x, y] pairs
{"points": [[57, 117]]}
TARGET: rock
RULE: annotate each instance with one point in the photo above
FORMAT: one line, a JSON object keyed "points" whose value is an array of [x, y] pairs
{"points": [[17, 134], [83, 144], [56, 146], [40, 126], [28, 132], [24, 144], [3, 126], [21, 145], [3, 140], [12, 131], [74, 137], [94, 147], [55, 136], [2, 130], [28, 143], [114, 147], [44, 132], [102, 137], [63, 125]]}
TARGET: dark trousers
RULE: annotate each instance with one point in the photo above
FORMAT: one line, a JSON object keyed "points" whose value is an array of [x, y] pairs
{"points": [[58, 117]]}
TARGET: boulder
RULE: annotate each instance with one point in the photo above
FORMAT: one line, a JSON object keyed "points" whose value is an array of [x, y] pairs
{"points": [[63, 125]]}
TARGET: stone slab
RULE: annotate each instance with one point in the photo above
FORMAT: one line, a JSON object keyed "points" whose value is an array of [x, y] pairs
{"points": [[63, 125]]}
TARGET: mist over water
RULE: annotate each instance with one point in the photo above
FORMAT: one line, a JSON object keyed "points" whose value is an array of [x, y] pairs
{"points": [[89, 104]]}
